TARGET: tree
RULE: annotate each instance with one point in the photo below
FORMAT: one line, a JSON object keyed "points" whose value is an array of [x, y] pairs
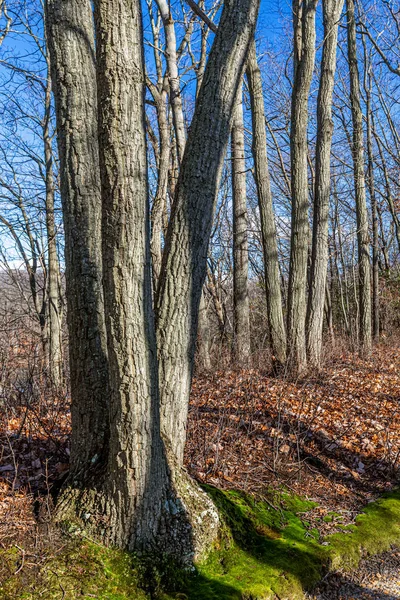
{"points": [[185, 253], [304, 56], [70, 36], [276, 323], [241, 309], [332, 9], [144, 497], [359, 185]]}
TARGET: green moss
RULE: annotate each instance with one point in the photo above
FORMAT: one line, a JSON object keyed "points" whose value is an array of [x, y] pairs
{"points": [[266, 549], [375, 530], [82, 570]]}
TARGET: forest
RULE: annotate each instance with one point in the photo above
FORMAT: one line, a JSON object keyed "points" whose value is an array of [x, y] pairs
{"points": [[200, 299]]}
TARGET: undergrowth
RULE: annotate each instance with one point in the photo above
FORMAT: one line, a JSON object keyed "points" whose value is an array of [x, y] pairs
{"points": [[266, 550]]}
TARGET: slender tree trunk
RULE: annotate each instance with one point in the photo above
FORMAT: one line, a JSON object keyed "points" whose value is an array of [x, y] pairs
{"points": [[241, 308], [53, 267], [173, 76], [160, 200], [332, 10], [276, 323], [185, 256], [304, 57], [204, 341], [372, 195], [71, 44], [359, 184]]}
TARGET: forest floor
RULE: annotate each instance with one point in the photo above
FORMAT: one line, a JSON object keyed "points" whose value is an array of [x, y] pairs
{"points": [[332, 438]]}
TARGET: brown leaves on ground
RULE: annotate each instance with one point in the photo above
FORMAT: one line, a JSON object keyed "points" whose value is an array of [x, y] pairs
{"points": [[334, 438]]}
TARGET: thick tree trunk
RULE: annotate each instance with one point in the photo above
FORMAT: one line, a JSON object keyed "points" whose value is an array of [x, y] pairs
{"points": [[185, 257], [304, 57], [241, 308], [137, 470], [276, 323], [151, 505], [359, 185], [71, 44], [54, 300], [332, 10]]}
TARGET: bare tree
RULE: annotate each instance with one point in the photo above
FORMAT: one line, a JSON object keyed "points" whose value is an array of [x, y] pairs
{"points": [[332, 9], [241, 309], [304, 57], [359, 185], [276, 323]]}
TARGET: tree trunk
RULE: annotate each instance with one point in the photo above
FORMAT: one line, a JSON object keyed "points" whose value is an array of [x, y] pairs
{"points": [[71, 44], [185, 255], [304, 57], [241, 309], [203, 339], [276, 323], [160, 200], [372, 196], [53, 267], [359, 185], [173, 76], [332, 10]]}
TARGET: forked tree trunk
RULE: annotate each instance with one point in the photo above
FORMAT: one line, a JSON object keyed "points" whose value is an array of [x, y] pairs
{"points": [[332, 10], [276, 323], [185, 256], [304, 57], [364, 275], [241, 308], [71, 44]]}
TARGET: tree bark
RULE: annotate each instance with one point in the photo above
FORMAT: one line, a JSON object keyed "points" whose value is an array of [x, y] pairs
{"points": [[304, 57], [54, 299], [185, 255], [70, 38], [241, 309], [332, 9], [173, 76], [359, 185], [276, 323], [372, 196]]}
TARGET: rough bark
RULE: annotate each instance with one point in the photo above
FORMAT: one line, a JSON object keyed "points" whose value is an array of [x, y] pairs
{"points": [[304, 57], [276, 323], [332, 9], [70, 38], [184, 260], [364, 275], [151, 505], [241, 308]]}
